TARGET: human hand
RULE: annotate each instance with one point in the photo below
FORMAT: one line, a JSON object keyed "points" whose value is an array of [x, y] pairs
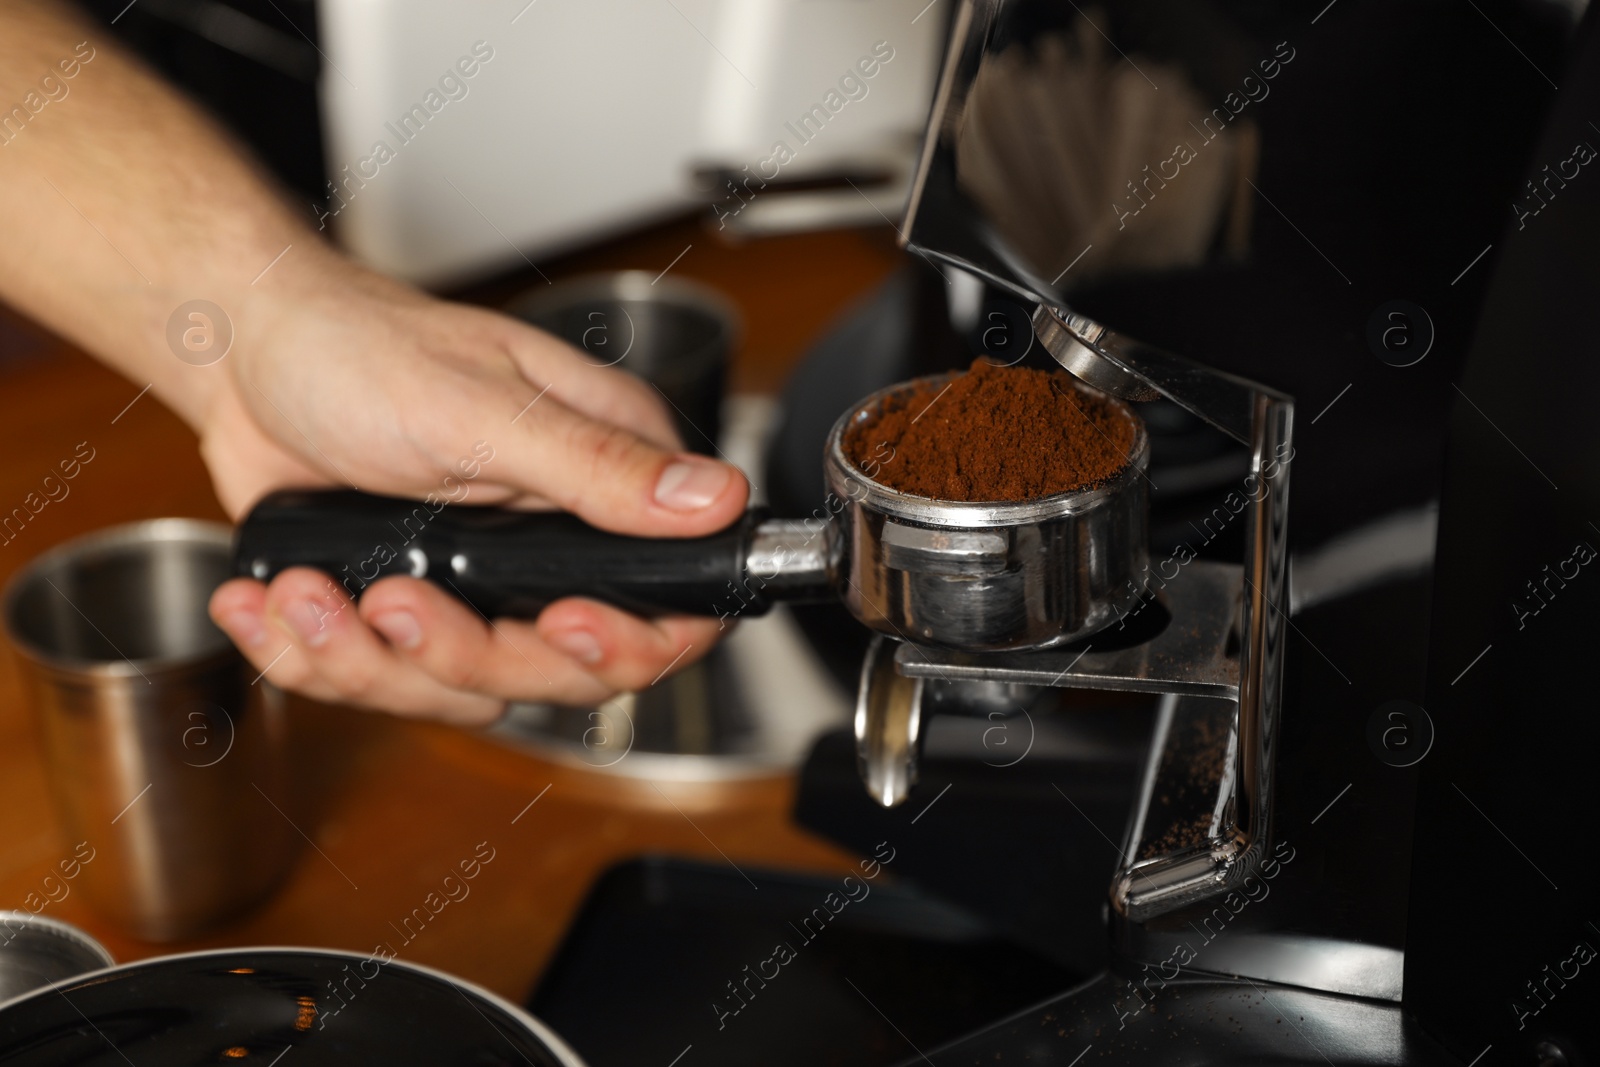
{"points": [[341, 377]]}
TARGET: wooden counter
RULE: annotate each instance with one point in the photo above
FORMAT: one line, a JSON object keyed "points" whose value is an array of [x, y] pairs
{"points": [[397, 804]]}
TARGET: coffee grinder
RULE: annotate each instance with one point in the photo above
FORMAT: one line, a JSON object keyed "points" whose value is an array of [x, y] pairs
{"points": [[1209, 634]]}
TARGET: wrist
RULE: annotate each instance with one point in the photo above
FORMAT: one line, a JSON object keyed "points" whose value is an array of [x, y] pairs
{"points": [[199, 320], [281, 321], [217, 346]]}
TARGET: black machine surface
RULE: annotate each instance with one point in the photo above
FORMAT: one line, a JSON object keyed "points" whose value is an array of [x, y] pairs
{"points": [[752, 966]]}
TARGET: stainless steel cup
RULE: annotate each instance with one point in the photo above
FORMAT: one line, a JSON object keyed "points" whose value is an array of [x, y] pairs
{"points": [[37, 951], [672, 332], [163, 754]]}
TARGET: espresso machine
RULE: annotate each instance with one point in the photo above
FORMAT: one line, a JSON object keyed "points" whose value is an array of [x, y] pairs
{"points": [[1359, 738]]}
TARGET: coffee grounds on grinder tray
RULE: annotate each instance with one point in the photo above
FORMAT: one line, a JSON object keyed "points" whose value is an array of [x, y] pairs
{"points": [[997, 433]]}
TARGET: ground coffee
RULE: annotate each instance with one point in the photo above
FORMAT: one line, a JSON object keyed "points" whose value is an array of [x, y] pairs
{"points": [[995, 433]]}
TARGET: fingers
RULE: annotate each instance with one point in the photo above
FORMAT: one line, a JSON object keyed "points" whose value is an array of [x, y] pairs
{"points": [[413, 649], [578, 652], [600, 442], [616, 480], [592, 440], [624, 651], [303, 634], [602, 391]]}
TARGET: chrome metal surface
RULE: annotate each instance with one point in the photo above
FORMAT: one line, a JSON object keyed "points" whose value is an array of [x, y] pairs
{"points": [[1263, 630], [1070, 340], [1189, 657], [1224, 400], [944, 551], [161, 754], [942, 221], [1030, 168], [980, 699], [987, 576], [37, 951], [791, 559], [888, 725]]}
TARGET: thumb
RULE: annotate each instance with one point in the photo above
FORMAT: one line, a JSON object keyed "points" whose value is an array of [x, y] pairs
{"points": [[615, 480]]}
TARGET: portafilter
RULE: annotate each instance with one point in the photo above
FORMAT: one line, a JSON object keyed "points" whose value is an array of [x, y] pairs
{"points": [[971, 577]]}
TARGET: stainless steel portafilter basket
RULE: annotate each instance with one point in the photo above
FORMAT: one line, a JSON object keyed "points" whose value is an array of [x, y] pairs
{"points": [[986, 576], [972, 577]]}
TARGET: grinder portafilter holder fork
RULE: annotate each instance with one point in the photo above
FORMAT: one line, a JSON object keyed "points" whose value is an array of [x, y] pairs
{"points": [[1224, 640]]}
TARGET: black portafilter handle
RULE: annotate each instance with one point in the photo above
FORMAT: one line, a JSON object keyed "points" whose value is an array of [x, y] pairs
{"points": [[514, 563]]}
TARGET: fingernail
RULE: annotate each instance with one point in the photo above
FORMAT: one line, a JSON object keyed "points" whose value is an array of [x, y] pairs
{"points": [[308, 620], [400, 628], [245, 627], [691, 482], [579, 644]]}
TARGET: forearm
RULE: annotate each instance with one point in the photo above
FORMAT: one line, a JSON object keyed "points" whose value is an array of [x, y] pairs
{"points": [[122, 201]]}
